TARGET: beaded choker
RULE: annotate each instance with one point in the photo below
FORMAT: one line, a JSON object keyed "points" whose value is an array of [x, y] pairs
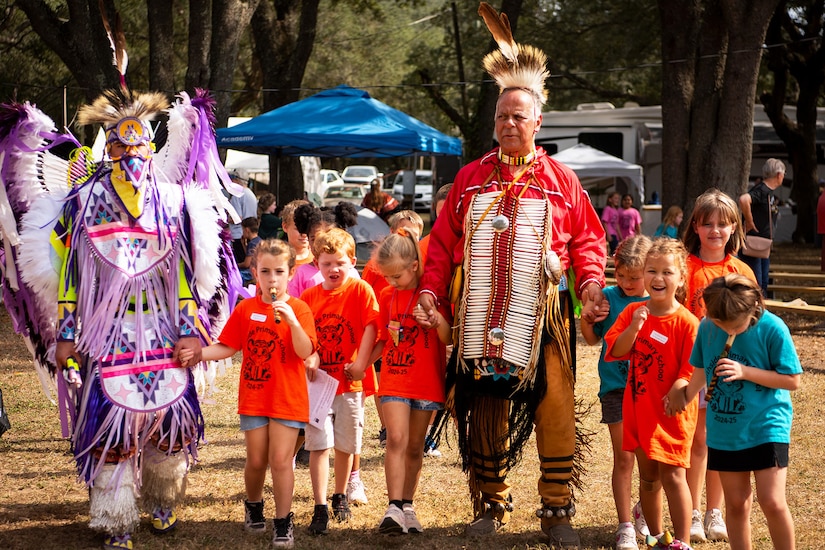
{"points": [[516, 161]]}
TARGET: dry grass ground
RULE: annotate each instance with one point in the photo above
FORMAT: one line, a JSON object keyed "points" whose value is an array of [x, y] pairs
{"points": [[41, 505]]}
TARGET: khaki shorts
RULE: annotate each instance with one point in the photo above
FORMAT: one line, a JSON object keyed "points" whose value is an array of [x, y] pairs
{"points": [[343, 427]]}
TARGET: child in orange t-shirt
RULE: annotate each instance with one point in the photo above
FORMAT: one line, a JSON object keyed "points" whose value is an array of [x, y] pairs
{"points": [[713, 237], [413, 376], [346, 314], [275, 336], [657, 338], [411, 221]]}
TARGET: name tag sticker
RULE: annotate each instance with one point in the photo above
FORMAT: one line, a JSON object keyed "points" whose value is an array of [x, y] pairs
{"points": [[659, 337], [260, 317]]}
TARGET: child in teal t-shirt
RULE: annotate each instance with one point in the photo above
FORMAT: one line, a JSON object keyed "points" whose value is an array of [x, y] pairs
{"points": [[629, 288], [746, 358]]}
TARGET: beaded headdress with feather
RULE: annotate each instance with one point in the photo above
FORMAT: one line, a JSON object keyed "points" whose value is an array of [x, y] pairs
{"points": [[113, 107], [513, 65]]}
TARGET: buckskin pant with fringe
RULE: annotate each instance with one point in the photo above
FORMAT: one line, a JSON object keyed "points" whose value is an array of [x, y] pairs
{"points": [[555, 428]]}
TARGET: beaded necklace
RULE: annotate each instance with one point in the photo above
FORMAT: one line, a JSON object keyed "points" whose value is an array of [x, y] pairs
{"points": [[517, 161], [394, 326]]}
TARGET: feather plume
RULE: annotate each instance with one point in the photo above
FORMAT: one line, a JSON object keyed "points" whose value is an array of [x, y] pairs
{"points": [[513, 65], [499, 26], [117, 40], [206, 244]]}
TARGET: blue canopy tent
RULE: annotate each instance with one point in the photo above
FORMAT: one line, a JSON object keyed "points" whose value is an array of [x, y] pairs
{"points": [[340, 122]]}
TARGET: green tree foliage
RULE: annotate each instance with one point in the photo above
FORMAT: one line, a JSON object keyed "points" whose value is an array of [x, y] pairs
{"points": [[601, 50]]}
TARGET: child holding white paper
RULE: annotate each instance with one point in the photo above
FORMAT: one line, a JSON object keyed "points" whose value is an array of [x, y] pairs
{"points": [[275, 332]]}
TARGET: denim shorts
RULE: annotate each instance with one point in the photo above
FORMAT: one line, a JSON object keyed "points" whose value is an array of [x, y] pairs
{"points": [[414, 404], [254, 422]]}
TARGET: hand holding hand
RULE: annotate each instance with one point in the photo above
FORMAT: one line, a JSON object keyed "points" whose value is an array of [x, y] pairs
{"points": [[429, 316], [593, 303], [186, 356], [675, 401], [193, 345], [353, 371]]}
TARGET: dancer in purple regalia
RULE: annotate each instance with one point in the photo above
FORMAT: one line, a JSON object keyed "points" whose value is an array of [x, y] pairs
{"points": [[108, 278]]}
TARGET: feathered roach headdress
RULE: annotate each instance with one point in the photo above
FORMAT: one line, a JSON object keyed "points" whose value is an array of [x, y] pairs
{"points": [[513, 65], [123, 114]]}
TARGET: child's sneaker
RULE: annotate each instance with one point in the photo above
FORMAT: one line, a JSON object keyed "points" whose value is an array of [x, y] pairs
{"points": [[254, 520], [356, 492], [118, 542], [320, 520], [697, 531], [283, 535], [626, 537], [639, 521], [410, 520], [393, 522], [715, 527], [163, 520], [430, 449], [666, 541], [340, 508]]}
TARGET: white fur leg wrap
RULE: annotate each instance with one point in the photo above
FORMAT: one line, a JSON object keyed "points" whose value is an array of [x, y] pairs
{"points": [[113, 502], [164, 478]]}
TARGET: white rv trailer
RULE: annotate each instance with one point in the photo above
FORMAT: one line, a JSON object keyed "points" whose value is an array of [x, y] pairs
{"points": [[634, 134]]}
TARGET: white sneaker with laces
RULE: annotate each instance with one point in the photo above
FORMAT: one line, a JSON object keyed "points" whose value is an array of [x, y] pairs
{"points": [[626, 537], [393, 521], [639, 520], [410, 520], [697, 531], [356, 492], [715, 527]]}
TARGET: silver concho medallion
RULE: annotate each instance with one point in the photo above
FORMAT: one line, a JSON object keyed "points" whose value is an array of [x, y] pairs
{"points": [[496, 336], [552, 267], [500, 223]]}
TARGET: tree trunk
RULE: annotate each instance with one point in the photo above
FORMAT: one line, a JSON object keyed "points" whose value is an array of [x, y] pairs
{"points": [[284, 35], [161, 45], [230, 19], [793, 53], [200, 37], [712, 52]]}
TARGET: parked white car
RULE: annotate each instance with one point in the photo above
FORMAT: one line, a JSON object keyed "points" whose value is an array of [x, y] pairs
{"points": [[423, 194], [346, 192], [362, 174], [330, 177]]}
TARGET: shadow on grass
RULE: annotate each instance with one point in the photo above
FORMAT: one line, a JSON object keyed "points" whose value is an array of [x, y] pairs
{"points": [[230, 534]]}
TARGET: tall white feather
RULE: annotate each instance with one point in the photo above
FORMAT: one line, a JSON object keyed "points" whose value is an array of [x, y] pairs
{"points": [[38, 263], [206, 241]]}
